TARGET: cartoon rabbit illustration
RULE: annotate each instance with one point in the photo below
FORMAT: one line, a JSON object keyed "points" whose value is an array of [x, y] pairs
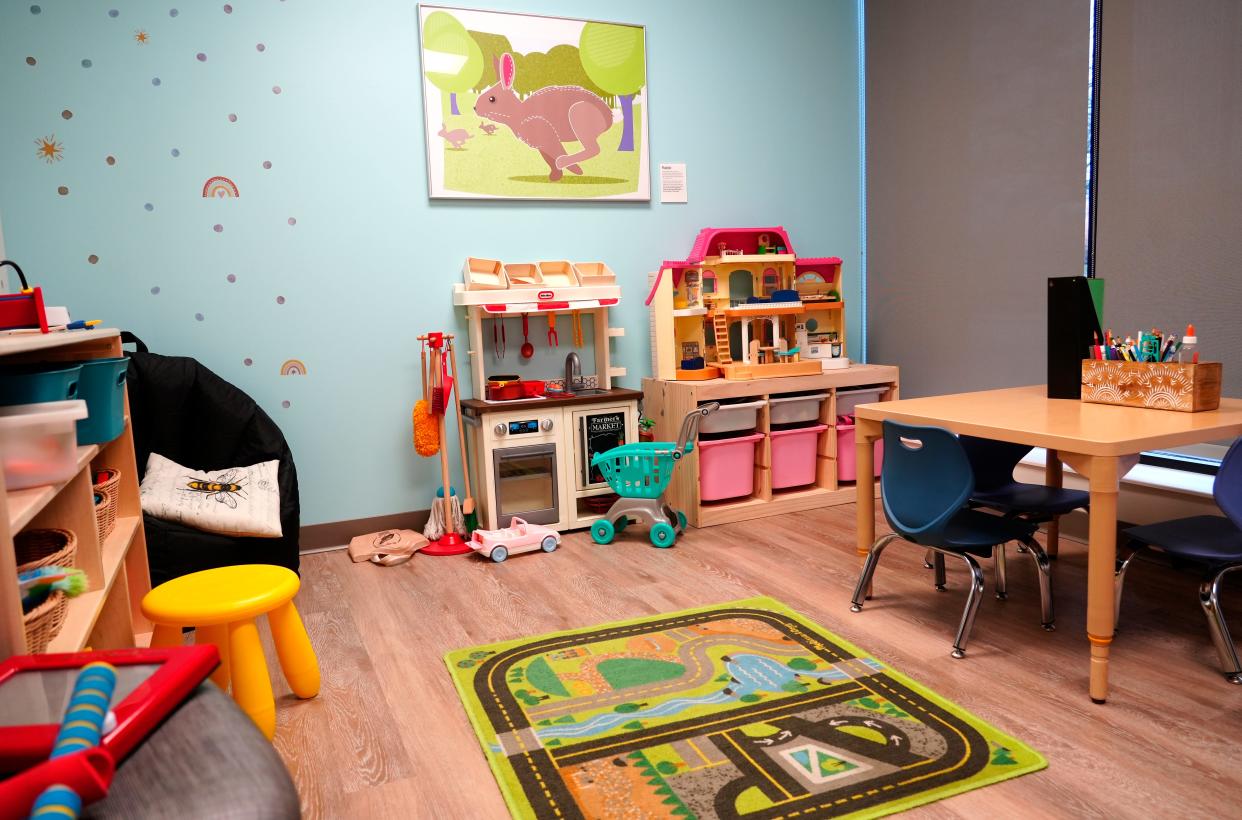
{"points": [[547, 118], [487, 128], [456, 138]]}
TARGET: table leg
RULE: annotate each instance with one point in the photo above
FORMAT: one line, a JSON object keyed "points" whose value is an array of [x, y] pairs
{"points": [[865, 434], [1053, 477], [252, 688], [1101, 563]]}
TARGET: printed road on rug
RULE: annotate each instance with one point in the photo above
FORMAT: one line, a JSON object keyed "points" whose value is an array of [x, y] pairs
{"points": [[745, 709]]}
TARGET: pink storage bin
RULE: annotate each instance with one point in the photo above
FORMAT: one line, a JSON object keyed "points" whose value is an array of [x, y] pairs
{"points": [[793, 456], [727, 467], [847, 468]]}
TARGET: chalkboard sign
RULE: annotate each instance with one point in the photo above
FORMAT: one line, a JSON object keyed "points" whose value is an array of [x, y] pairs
{"points": [[600, 433]]}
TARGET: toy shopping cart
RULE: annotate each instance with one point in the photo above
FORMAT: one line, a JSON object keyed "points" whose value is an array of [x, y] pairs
{"points": [[640, 473]]}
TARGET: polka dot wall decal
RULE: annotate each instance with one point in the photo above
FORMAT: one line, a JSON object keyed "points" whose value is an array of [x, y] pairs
{"points": [[87, 63], [155, 81], [66, 114], [173, 12], [280, 300], [155, 291], [232, 118], [148, 207], [275, 89], [111, 160], [217, 227], [260, 48], [92, 259], [36, 10], [113, 13], [286, 404], [201, 57], [228, 9], [198, 317], [31, 61], [292, 221], [176, 152], [247, 361], [63, 190], [232, 277], [267, 165]]}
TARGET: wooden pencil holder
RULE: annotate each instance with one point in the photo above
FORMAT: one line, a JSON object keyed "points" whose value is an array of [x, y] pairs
{"points": [[1189, 388]]}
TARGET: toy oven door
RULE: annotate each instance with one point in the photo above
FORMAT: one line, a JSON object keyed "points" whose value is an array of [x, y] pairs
{"points": [[526, 484]]}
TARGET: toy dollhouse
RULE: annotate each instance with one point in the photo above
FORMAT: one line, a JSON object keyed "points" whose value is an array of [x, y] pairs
{"points": [[745, 306]]}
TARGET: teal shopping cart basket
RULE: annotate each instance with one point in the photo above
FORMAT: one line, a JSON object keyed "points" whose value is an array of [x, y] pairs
{"points": [[640, 473]]}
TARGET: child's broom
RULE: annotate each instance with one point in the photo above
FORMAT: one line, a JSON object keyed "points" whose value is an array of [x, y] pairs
{"points": [[450, 543], [467, 507]]}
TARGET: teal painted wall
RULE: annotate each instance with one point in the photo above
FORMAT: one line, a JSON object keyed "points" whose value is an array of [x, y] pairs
{"points": [[759, 99]]}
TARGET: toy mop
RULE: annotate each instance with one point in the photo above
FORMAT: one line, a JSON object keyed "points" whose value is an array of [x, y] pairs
{"points": [[639, 473], [446, 524]]}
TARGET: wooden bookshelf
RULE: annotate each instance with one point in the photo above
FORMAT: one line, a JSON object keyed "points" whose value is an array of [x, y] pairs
{"points": [[108, 615]]}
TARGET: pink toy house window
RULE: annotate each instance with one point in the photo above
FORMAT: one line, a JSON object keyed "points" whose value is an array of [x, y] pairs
{"points": [[709, 281]]}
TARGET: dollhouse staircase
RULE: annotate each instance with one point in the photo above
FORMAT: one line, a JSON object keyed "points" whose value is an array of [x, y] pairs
{"points": [[720, 326]]}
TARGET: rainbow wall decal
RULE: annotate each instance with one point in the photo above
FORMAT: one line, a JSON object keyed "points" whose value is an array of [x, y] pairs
{"points": [[293, 367], [220, 188]]}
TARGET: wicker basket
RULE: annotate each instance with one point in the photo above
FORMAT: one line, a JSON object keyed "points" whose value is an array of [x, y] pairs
{"points": [[45, 548], [107, 484], [43, 623]]}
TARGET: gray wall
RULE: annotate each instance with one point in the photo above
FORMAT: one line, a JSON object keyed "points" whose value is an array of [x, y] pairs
{"points": [[976, 166]]}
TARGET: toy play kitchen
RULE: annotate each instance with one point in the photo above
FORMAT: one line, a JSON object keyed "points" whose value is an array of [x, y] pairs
{"points": [[536, 420]]}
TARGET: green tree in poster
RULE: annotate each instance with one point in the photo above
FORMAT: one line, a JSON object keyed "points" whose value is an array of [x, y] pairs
{"points": [[613, 58], [490, 46], [444, 36]]}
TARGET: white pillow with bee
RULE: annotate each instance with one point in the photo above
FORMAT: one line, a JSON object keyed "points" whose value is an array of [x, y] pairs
{"points": [[237, 501]]}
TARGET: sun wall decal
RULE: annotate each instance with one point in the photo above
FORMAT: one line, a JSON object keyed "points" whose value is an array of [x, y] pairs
{"points": [[49, 149], [142, 37]]}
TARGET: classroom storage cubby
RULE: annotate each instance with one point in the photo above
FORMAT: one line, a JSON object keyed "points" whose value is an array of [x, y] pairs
{"points": [[108, 614], [667, 402]]}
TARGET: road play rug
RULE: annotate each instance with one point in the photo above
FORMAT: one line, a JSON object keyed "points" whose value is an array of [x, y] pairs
{"points": [[744, 710]]}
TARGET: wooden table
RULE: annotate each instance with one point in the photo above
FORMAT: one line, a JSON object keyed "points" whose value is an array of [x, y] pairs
{"points": [[1099, 441]]}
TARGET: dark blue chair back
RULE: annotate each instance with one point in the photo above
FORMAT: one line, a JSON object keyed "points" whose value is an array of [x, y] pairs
{"points": [[992, 461], [1228, 487], [926, 479]]}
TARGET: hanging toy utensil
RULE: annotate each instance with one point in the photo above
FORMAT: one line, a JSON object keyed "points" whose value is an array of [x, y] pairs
{"points": [[554, 339], [528, 349]]}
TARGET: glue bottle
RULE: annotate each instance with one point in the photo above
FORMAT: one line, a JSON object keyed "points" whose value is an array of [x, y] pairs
{"points": [[1188, 341]]}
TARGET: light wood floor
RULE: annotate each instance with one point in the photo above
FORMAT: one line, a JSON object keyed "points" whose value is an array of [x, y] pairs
{"points": [[387, 736]]}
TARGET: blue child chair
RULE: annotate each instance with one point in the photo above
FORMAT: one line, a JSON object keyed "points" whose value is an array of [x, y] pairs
{"points": [[927, 481], [1213, 541]]}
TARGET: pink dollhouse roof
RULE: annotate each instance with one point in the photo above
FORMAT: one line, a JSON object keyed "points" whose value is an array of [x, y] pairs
{"points": [[813, 261], [745, 238]]}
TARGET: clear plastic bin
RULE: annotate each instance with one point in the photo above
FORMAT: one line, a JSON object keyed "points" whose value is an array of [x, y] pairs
{"points": [[39, 442], [849, 398], [795, 408], [733, 417]]}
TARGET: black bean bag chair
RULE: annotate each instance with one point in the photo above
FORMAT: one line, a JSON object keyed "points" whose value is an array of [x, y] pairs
{"points": [[184, 412]]}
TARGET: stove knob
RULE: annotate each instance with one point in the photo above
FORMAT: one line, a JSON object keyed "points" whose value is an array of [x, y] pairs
{"points": [[545, 425], [500, 429]]}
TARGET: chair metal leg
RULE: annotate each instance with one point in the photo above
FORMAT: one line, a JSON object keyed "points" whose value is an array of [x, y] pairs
{"points": [[972, 606], [998, 555], [927, 559], [1209, 599], [938, 563], [1124, 556], [1044, 564], [864, 580]]}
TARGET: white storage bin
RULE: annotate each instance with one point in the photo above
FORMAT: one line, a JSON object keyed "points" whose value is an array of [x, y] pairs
{"points": [[793, 409], [848, 399], [732, 418], [39, 442]]}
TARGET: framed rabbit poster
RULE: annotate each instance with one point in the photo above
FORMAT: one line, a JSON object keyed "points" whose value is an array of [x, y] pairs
{"points": [[523, 106]]}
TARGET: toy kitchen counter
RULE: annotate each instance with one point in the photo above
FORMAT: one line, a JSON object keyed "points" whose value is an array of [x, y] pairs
{"points": [[532, 456]]}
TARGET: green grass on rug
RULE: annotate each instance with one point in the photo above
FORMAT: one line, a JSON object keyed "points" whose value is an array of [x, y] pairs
{"points": [[745, 709]]}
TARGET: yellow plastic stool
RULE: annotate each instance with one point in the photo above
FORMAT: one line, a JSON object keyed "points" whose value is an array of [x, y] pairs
{"points": [[222, 604]]}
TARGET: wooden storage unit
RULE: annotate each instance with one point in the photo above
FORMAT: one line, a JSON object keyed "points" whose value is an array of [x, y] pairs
{"points": [[667, 402], [108, 616]]}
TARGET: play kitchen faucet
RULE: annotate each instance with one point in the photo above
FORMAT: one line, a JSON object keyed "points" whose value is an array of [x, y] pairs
{"points": [[573, 372]]}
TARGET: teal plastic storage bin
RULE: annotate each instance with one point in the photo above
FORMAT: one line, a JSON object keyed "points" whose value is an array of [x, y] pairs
{"points": [[102, 385], [27, 384]]}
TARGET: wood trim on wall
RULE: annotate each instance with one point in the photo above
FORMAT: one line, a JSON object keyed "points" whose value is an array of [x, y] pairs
{"points": [[339, 533]]}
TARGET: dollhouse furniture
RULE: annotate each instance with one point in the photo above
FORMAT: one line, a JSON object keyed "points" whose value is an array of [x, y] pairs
{"points": [[743, 305], [108, 615], [927, 485], [223, 603], [1099, 441], [531, 454], [668, 401]]}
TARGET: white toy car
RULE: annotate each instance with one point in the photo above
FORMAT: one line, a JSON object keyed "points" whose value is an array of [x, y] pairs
{"points": [[519, 536]]}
